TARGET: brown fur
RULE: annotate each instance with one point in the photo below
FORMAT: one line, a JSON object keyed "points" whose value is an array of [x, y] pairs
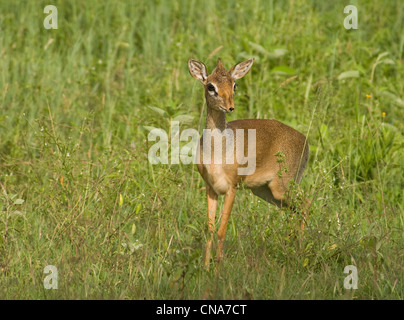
{"points": [[272, 137]]}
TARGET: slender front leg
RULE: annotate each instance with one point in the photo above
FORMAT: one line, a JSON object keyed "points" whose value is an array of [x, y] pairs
{"points": [[227, 207], [212, 205]]}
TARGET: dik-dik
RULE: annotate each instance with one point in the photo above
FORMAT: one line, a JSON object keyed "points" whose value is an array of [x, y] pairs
{"points": [[272, 140]]}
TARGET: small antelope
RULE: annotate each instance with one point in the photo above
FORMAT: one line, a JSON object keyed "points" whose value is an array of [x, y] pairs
{"points": [[271, 139]]}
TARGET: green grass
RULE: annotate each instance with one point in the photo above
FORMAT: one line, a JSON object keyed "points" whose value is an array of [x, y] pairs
{"points": [[73, 106]]}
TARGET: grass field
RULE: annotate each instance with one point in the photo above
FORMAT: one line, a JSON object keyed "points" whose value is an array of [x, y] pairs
{"points": [[78, 192]]}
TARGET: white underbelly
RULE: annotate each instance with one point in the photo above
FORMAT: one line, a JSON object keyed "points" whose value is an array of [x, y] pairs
{"points": [[217, 178]]}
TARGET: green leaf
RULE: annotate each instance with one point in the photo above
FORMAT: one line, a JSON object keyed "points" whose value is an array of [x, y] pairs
{"points": [[388, 61], [183, 118], [244, 55], [349, 74], [393, 97], [18, 213], [277, 53], [19, 201], [149, 128], [193, 227], [161, 112], [258, 48], [323, 130], [284, 70], [133, 229], [382, 55]]}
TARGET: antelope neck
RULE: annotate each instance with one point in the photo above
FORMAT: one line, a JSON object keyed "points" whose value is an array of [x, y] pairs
{"points": [[215, 119]]}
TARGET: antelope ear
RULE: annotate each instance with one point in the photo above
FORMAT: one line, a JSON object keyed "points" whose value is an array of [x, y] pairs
{"points": [[198, 70], [241, 69]]}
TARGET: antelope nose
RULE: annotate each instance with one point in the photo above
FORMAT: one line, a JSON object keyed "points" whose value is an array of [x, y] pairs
{"points": [[231, 109]]}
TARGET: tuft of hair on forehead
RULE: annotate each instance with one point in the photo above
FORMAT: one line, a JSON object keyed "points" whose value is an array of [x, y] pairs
{"points": [[220, 64], [220, 73]]}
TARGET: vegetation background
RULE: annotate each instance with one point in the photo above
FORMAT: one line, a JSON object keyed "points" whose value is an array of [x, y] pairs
{"points": [[77, 190]]}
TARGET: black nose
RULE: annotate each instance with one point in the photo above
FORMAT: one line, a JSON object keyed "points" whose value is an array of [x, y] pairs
{"points": [[231, 109]]}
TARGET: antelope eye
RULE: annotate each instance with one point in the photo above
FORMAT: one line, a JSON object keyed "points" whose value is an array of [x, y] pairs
{"points": [[235, 86], [211, 87]]}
